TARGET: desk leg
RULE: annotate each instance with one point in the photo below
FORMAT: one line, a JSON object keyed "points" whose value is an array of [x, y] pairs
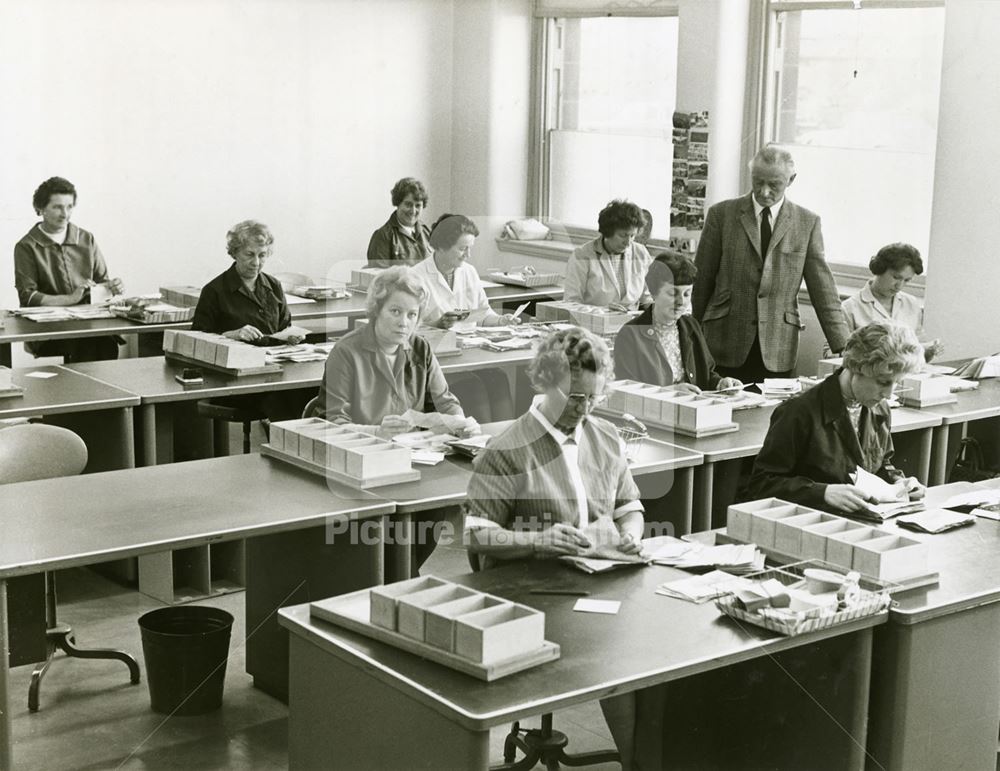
{"points": [[935, 694], [6, 356], [331, 699], [939, 455], [704, 482], [6, 732], [684, 481], [400, 538], [148, 415], [924, 456], [127, 438]]}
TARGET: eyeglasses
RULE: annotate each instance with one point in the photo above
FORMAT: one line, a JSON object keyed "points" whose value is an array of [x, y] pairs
{"points": [[591, 400]]}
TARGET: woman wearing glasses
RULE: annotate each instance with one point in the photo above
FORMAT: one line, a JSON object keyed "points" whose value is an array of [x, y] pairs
{"points": [[818, 439], [554, 472]]}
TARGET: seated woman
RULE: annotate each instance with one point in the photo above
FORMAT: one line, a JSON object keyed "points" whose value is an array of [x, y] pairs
{"points": [[555, 471], [402, 240], [453, 284], [665, 345], [883, 298], [611, 268], [818, 439], [246, 304], [380, 371]]}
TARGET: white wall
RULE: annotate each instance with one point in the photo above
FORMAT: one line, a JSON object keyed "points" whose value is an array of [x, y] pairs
{"points": [[178, 118], [491, 103], [963, 290]]}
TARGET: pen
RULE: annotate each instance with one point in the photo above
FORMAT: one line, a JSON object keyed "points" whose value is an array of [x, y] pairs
{"points": [[561, 592]]}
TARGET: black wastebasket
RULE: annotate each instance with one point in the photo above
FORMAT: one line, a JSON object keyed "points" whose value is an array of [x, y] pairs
{"points": [[185, 648]]}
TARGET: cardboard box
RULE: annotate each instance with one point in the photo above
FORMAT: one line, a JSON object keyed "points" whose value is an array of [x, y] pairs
{"points": [[284, 433], [384, 599], [762, 523], [840, 546], [738, 516], [411, 608], [814, 537], [499, 633], [439, 620], [233, 354], [788, 531], [892, 558], [364, 461], [699, 414]]}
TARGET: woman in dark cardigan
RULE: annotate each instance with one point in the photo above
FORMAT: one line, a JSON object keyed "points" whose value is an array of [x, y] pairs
{"points": [[665, 345]]}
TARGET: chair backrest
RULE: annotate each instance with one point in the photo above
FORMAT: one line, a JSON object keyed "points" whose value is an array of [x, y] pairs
{"points": [[37, 451], [311, 410]]}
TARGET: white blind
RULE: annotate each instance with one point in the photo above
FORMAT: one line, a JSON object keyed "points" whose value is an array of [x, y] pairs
{"points": [[567, 8]]}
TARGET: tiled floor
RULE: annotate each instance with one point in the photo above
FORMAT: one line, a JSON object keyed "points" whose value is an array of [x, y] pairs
{"points": [[91, 718]]}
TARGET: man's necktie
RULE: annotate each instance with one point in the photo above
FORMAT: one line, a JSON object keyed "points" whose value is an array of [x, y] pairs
{"points": [[765, 231]]}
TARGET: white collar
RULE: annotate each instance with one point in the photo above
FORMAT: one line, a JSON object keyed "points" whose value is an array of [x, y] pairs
{"points": [[774, 207], [560, 437]]}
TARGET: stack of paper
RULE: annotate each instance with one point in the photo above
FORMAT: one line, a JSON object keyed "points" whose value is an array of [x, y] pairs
{"points": [[702, 588], [779, 387], [512, 344], [65, 313], [735, 558], [978, 498], [985, 366], [295, 353], [935, 521], [987, 511], [891, 499]]}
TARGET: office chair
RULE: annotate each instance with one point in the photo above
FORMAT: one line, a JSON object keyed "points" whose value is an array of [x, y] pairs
{"points": [[37, 451], [543, 744]]}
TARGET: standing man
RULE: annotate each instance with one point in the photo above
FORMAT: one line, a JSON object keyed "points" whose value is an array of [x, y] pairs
{"points": [[752, 257], [57, 263]]}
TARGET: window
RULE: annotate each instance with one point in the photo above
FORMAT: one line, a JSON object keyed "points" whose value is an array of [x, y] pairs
{"points": [[610, 96], [853, 94]]}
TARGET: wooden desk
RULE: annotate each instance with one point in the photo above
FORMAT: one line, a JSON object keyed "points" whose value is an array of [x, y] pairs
{"points": [[980, 404], [433, 717], [746, 443], [99, 412], [82, 520], [935, 699]]}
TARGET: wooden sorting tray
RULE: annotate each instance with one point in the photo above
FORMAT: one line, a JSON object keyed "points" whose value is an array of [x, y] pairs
{"points": [[522, 279], [352, 611], [356, 482], [225, 370], [156, 317], [727, 428]]}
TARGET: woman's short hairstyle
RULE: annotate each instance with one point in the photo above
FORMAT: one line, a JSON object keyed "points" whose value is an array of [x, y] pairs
{"points": [[449, 228], [566, 352], [409, 186], [619, 215], [398, 279], [50, 187], [246, 232], [647, 227], [896, 257], [670, 268], [883, 349]]}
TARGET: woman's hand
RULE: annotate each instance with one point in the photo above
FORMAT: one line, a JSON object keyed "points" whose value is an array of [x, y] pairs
{"points": [[294, 339], [116, 287], [245, 334], [933, 349], [471, 428], [727, 383], [630, 545], [560, 539], [684, 388], [392, 425], [845, 497], [508, 320], [914, 490]]}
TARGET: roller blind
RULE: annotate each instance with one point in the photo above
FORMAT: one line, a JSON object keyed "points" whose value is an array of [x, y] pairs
{"points": [[571, 8]]}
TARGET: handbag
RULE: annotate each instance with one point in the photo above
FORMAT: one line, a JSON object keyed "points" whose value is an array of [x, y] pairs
{"points": [[969, 466]]}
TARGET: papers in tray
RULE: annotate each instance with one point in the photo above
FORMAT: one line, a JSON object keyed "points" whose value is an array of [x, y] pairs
{"points": [[702, 588], [65, 313], [780, 387], [734, 558], [935, 521], [295, 353]]}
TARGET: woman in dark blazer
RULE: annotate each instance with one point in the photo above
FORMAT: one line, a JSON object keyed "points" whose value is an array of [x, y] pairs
{"points": [[665, 345], [818, 439]]}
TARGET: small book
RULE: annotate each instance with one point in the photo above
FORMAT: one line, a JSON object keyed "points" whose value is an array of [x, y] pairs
{"points": [[935, 521]]}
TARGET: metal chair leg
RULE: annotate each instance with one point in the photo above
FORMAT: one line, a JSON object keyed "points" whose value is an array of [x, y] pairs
{"points": [[547, 746]]}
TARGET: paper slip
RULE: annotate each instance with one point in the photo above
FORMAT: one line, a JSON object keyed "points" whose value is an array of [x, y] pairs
{"points": [[935, 521], [41, 375], [291, 331], [436, 421], [292, 299], [488, 284], [521, 309], [609, 607], [789, 385], [700, 589], [472, 341], [972, 499], [99, 293], [513, 344], [665, 547], [878, 488], [426, 457], [991, 511]]}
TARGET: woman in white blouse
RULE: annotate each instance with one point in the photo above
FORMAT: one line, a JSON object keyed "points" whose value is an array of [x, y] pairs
{"points": [[883, 298], [452, 283]]}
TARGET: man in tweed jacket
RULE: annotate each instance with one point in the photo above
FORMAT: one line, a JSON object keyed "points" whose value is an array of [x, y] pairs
{"points": [[747, 301]]}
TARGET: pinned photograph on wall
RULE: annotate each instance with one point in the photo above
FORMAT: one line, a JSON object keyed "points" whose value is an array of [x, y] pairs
{"points": [[679, 186], [694, 221], [695, 188], [696, 152], [680, 169], [698, 119], [678, 215], [682, 120], [679, 136], [697, 170], [681, 152], [699, 136]]}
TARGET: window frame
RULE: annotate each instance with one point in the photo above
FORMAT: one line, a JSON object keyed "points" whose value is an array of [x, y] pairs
{"points": [[545, 118], [769, 85]]}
